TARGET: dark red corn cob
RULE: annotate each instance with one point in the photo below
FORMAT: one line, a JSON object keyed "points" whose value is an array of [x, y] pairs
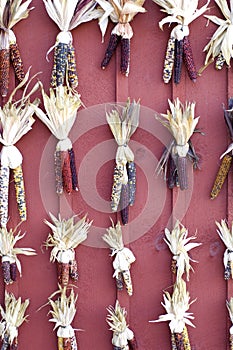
{"points": [[112, 45], [17, 61], [125, 56], [182, 172], [6, 272], [188, 59], [119, 281], [4, 71], [131, 170], [133, 344], [73, 170], [74, 270], [66, 172], [67, 343], [124, 204], [63, 273], [172, 173], [58, 171], [178, 60], [13, 271], [72, 70]]}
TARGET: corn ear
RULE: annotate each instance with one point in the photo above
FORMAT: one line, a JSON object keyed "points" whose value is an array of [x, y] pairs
{"points": [[4, 193], [221, 175], [128, 281], [231, 341], [116, 187], [63, 273], [72, 71], [173, 341], [220, 61], [17, 61], [124, 204], [228, 271], [112, 45], [74, 345], [125, 56], [66, 172], [179, 48], [60, 343], [188, 59], [67, 343], [182, 172], [14, 345], [73, 170], [60, 64], [169, 60], [4, 71], [172, 173], [6, 272], [179, 341], [13, 271], [131, 170], [58, 171], [5, 342], [119, 281], [20, 192], [133, 344], [73, 270], [186, 341]]}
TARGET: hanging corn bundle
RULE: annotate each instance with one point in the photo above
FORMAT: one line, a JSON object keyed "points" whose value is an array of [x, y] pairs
{"points": [[179, 245], [60, 114], [226, 157], [66, 236], [67, 15], [181, 123], [123, 337], [15, 121], [11, 12], [226, 235], [229, 305], [220, 45], [177, 306], [123, 124], [9, 254], [121, 12], [124, 257], [179, 46], [12, 318], [63, 311]]}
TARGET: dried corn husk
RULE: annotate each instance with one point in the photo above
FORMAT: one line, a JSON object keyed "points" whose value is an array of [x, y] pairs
{"points": [[11, 12], [60, 114], [116, 319], [68, 15], [183, 13], [123, 123], [8, 250], [63, 311], [12, 317], [65, 237], [15, 121], [124, 257], [220, 45], [177, 306], [179, 245], [122, 13], [226, 235], [181, 123]]}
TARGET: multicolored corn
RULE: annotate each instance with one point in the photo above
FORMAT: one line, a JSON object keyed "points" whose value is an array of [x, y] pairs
{"points": [[182, 172], [4, 194], [220, 61], [128, 282], [169, 60], [221, 175], [173, 341], [125, 56], [4, 71], [131, 171], [116, 187], [172, 179], [72, 70], [66, 172], [58, 171], [112, 45], [63, 272], [179, 49], [20, 192], [6, 271], [17, 61], [73, 270], [188, 59]]}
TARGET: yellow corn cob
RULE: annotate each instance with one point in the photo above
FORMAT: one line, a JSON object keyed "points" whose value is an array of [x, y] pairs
{"points": [[221, 175], [20, 193], [219, 61], [72, 71], [169, 60], [231, 341], [116, 187], [60, 343], [186, 339], [173, 342]]}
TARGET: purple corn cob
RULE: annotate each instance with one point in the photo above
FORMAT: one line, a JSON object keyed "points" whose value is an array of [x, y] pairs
{"points": [[131, 170], [188, 59], [112, 45], [73, 170], [6, 272], [179, 47], [182, 172], [125, 56], [124, 204]]}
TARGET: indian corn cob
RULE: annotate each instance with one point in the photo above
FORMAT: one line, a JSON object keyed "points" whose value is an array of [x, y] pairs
{"points": [[180, 244], [9, 253], [15, 121], [11, 13], [121, 13], [226, 235], [122, 334], [123, 257], [229, 305], [12, 318], [65, 237], [181, 123], [220, 61], [123, 123], [67, 16], [178, 47], [60, 114], [177, 306]]}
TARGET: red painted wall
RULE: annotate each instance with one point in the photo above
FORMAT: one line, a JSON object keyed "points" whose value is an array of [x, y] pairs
{"points": [[155, 205]]}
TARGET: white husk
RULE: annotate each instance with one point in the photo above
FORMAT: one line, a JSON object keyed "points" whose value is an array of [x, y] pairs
{"points": [[8, 251], [18, 11], [13, 316], [226, 236], [177, 307], [66, 236], [179, 245]]}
